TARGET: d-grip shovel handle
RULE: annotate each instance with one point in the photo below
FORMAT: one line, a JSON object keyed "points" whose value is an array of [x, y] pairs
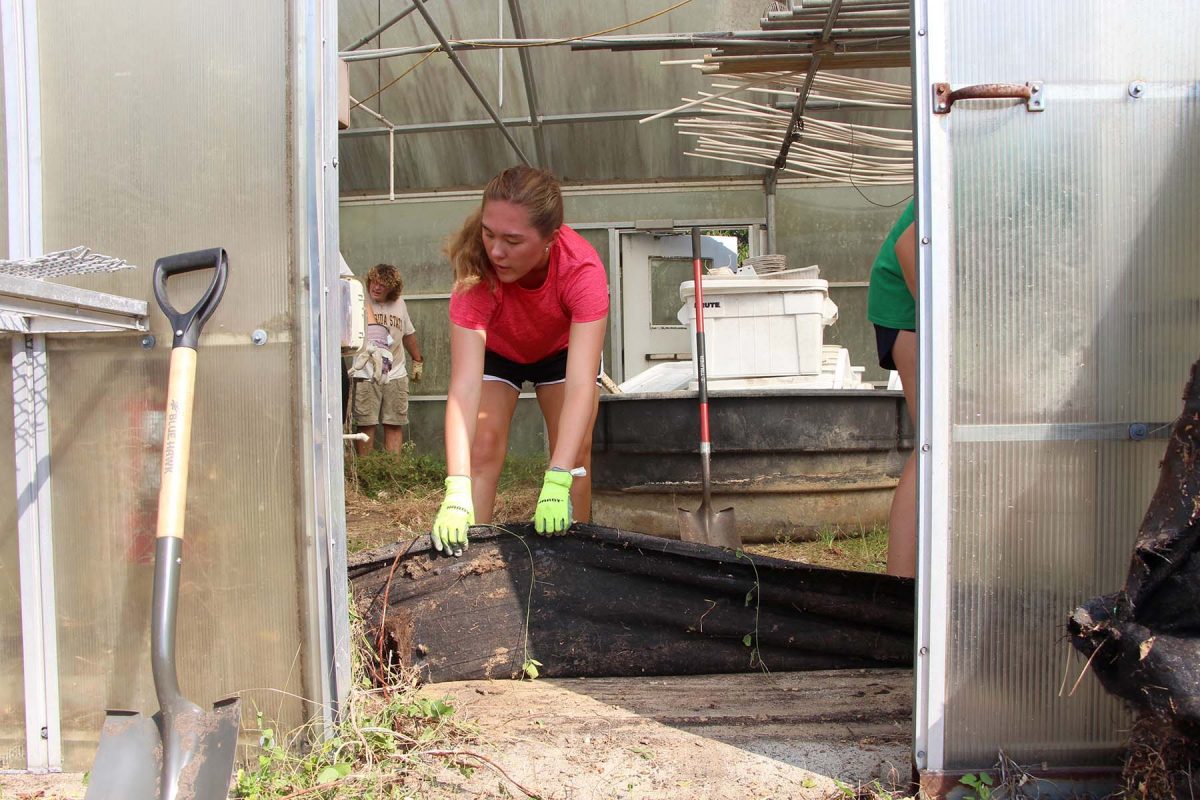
{"points": [[188, 324], [191, 738]]}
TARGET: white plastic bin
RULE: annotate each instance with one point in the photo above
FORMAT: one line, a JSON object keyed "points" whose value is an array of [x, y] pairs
{"points": [[760, 327]]}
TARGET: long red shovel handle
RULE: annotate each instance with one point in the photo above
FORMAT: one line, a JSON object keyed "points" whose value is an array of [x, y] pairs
{"points": [[701, 361]]}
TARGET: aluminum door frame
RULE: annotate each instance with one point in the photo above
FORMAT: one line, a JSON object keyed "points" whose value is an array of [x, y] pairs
{"points": [[932, 203], [314, 98]]}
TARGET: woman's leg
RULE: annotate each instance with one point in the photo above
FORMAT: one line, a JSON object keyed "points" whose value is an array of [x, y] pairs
{"points": [[902, 522], [550, 397], [497, 401]]}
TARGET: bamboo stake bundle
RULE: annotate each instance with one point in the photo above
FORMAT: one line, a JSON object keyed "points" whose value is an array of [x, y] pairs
{"points": [[750, 132], [833, 35], [734, 65], [848, 160], [848, 86]]}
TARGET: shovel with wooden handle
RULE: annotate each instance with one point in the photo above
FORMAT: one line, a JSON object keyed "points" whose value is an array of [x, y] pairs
{"points": [[183, 752], [705, 525]]}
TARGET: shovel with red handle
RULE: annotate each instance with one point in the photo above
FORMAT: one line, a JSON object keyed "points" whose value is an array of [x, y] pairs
{"points": [[705, 525]]}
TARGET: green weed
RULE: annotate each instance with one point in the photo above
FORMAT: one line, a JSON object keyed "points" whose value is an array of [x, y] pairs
{"points": [[980, 783], [874, 790], [754, 595], [389, 744]]}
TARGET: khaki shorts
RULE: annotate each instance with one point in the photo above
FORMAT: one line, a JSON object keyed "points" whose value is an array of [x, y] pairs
{"points": [[387, 404]]}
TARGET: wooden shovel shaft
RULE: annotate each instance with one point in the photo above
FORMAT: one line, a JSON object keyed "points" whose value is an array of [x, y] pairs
{"points": [[172, 494]]}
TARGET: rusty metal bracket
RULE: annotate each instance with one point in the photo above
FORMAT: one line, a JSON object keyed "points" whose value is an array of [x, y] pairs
{"points": [[1031, 92]]}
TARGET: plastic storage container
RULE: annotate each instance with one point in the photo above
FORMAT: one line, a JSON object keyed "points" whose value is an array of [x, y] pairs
{"points": [[760, 327]]}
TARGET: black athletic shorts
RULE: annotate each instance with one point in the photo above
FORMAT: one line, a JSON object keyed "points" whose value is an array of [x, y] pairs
{"points": [[552, 369], [885, 340]]}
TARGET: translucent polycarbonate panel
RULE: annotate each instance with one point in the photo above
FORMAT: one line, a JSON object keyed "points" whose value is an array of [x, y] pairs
{"points": [[666, 274], [432, 321], [12, 680], [1076, 313], [1037, 529], [180, 138], [177, 141], [239, 602]]}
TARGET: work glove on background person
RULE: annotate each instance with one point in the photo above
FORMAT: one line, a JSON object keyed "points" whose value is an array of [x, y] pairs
{"points": [[454, 517], [415, 370], [553, 514]]}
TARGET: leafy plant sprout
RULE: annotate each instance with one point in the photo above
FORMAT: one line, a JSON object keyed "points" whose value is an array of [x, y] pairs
{"points": [[755, 593]]}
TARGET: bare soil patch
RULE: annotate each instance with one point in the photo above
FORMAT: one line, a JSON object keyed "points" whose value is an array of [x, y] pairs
{"points": [[727, 737]]}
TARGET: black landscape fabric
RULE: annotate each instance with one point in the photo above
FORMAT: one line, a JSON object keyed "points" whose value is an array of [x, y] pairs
{"points": [[1144, 641], [601, 602]]}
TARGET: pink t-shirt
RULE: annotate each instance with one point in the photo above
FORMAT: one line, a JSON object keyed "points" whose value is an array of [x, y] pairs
{"points": [[528, 325]]}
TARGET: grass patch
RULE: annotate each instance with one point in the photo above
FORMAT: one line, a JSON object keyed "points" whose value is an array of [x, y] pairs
{"points": [[392, 497], [859, 549], [381, 474], [391, 742]]}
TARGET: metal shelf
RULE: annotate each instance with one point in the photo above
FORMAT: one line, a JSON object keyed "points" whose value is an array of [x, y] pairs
{"points": [[30, 305]]}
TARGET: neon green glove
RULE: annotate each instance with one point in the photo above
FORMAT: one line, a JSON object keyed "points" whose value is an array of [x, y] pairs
{"points": [[553, 514], [454, 517]]}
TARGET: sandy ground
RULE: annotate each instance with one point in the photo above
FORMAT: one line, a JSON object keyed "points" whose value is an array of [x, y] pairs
{"points": [[719, 737], [723, 737], [58, 786]]}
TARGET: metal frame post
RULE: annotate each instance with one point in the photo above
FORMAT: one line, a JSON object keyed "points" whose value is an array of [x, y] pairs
{"points": [[39, 631], [539, 141], [616, 311], [31, 433], [316, 246], [934, 258]]}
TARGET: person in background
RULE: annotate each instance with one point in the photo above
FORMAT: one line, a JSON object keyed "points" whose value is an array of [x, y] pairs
{"points": [[892, 308], [530, 303], [383, 399]]}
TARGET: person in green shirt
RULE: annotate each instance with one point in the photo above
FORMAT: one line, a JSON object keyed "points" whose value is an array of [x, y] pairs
{"points": [[892, 309]]}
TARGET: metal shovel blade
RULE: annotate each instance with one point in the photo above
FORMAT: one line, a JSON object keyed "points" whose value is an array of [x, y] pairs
{"points": [[128, 760], [706, 526], [200, 752]]}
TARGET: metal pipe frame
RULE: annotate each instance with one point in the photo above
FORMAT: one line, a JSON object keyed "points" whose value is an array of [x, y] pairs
{"points": [[801, 100], [360, 42], [552, 119], [512, 122], [649, 41], [462, 70], [539, 140]]}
